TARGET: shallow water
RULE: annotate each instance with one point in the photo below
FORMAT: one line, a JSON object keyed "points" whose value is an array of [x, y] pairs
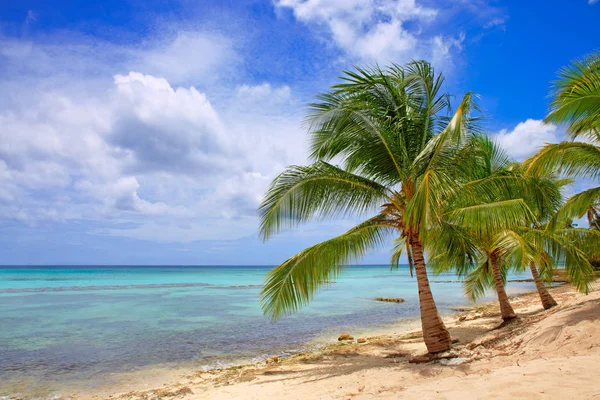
{"points": [[84, 323]]}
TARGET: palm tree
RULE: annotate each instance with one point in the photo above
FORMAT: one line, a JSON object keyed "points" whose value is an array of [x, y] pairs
{"points": [[478, 251], [388, 130], [576, 103], [533, 247], [484, 257], [556, 243]]}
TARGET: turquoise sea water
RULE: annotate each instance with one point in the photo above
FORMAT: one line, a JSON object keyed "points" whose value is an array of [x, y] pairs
{"points": [[83, 323]]}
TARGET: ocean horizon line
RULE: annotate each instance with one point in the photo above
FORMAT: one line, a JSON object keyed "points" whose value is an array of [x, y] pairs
{"points": [[174, 265]]}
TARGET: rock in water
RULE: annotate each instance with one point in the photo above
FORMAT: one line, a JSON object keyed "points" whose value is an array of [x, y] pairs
{"points": [[390, 299], [345, 336], [361, 340]]}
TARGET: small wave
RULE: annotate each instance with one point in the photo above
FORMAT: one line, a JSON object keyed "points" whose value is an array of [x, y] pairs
{"points": [[238, 287], [123, 287], [104, 287]]}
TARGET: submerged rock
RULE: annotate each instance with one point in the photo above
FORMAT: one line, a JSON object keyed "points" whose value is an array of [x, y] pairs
{"points": [[390, 299], [345, 336]]}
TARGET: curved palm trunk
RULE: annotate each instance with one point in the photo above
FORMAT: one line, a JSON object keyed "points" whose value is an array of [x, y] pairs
{"points": [[435, 334], [505, 308], [547, 300]]}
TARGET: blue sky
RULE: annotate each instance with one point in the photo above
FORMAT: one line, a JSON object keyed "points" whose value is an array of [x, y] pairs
{"points": [[145, 132]]}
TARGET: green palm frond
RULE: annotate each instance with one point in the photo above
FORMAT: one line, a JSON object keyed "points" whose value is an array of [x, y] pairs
{"points": [[488, 218], [358, 123], [453, 248], [576, 97], [478, 281], [516, 249], [574, 159], [400, 246], [438, 150], [576, 206], [301, 193], [481, 279], [293, 283], [424, 208]]}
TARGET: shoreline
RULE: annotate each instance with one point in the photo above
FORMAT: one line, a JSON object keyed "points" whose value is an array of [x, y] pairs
{"points": [[148, 379], [481, 343]]}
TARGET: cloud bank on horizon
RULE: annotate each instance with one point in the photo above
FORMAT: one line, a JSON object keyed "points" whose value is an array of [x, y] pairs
{"points": [[172, 137]]}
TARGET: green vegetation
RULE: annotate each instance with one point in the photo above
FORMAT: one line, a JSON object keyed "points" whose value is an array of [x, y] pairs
{"points": [[384, 143]]}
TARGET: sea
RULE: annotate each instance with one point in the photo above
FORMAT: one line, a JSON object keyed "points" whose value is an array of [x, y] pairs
{"points": [[86, 324]]}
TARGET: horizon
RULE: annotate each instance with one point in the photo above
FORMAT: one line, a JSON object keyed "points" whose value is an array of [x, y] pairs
{"points": [[138, 133]]}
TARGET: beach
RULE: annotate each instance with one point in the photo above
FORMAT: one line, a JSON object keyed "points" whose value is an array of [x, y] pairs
{"points": [[550, 354], [487, 361], [81, 329]]}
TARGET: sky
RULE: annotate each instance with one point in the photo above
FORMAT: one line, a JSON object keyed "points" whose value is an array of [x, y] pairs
{"points": [[146, 131]]}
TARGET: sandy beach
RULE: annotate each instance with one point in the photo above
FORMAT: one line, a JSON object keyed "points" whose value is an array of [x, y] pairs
{"points": [[543, 354]]}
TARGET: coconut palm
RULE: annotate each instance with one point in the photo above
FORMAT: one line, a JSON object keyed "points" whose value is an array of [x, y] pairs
{"points": [[483, 256], [533, 247], [567, 247], [575, 103], [563, 244], [389, 131]]}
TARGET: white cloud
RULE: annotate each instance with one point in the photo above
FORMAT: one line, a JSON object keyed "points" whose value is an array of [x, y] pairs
{"points": [[263, 92], [180, 57], [527, 137], [83, 138], [187, 57], [372, 30], [592, 1], [167, 129]]}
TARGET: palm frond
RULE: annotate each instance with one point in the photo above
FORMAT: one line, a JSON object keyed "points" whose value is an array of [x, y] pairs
{"points": [[487, 218], [454, 134], [293, 283], [453, 248], [576, 97], [424, 207], [576, 206], [478, 281], [516, 249], [319, 190], [574, 159]]}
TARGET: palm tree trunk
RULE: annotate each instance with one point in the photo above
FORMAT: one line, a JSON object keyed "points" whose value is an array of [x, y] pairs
{"points": [[505, 308], [547, 299], [435, 334]]}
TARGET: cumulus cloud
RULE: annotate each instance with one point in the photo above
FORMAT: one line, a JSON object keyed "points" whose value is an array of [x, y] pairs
{"points": [[377, 30], [167, 129], [104, 133], [527, 137]]}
